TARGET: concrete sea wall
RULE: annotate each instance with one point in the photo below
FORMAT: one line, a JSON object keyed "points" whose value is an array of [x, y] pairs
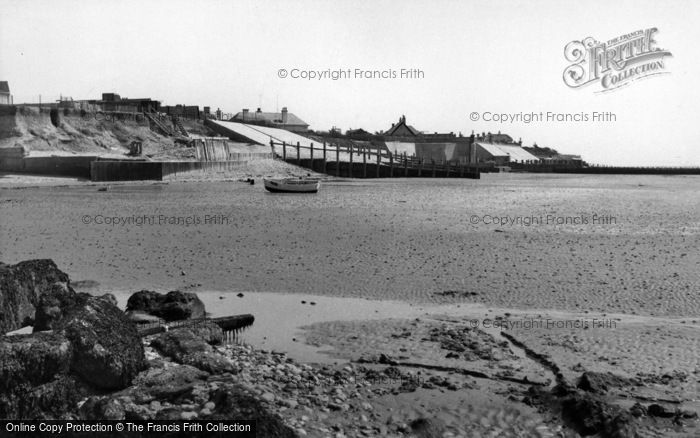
{"points": [[78, 166], [106, 170]]}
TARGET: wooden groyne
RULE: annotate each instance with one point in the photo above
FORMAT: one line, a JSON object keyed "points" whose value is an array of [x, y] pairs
{"points": [[617, 170], [365, 162], [231, 325], [545, 167]]}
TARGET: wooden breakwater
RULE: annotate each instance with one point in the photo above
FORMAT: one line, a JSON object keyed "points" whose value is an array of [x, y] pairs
{"points": [[231, 325], [545, 167], [369, 162], [617, 170]]}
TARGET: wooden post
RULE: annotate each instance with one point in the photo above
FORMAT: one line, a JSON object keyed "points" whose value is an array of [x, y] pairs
{"points": [[461, 169], [351, 175], [364, 162], [433, 161], [405, 165], [391, 165], [420, 167], [379, 160], [447, 168], [284, 151], [298, 155], [324, 157], [312, 155], [337, 160]]}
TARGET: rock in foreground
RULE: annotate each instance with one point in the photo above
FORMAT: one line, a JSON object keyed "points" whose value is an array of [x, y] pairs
{"points": [[34, 376], [188, 347], [108, 352], [92, 345], [173, 306], [21, 286]]}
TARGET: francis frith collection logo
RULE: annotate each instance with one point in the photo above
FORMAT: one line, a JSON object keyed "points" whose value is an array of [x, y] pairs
{"points": [[614, 63]]}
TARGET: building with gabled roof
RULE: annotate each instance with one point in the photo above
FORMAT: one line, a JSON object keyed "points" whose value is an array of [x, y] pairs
{"points": [[401, 129]]}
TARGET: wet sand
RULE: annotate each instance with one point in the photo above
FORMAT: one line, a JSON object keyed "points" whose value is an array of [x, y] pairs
{"points": [[398, 239]]}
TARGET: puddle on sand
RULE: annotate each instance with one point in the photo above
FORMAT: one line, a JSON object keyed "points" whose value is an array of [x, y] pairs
{"points": [[279, 316]]}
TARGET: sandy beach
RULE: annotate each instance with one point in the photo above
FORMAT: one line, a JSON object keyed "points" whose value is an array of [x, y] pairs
{"points": [[399, 239], [401, 267]]}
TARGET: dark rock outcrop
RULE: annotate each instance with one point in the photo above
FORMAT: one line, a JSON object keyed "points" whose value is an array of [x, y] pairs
{"points": [[107, 349], [168, 384], [34, 379], [21, 286], [53, 306], [92, 347], [33, 359], [173, 306], [110, 299], [146, 301], [186, 347]]}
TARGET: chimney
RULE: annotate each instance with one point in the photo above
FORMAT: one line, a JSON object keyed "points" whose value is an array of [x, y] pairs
{"points": [[284, 115], [258, 111], [245, 113]]}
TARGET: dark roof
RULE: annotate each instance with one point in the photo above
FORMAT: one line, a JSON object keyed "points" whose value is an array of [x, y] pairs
{"points": [[273, 118], [4, 87], [402, 122], [358, 130]]}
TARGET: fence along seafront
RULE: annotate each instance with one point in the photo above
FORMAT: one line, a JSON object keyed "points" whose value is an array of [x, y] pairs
{"points": [[372, 162]]}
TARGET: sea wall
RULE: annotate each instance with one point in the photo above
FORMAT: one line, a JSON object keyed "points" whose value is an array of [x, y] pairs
{"points": [[78, 166], [114, 170], [157, 170]]}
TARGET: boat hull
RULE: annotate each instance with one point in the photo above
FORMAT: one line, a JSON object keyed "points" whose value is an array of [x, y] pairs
{"points": [[291, 186]]}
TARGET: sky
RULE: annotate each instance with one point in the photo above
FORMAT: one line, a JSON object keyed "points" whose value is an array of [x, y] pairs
{"points": [[483, 57]]}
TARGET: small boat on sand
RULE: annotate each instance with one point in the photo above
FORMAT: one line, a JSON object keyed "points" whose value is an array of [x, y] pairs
{"points": [[291, 185]]}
